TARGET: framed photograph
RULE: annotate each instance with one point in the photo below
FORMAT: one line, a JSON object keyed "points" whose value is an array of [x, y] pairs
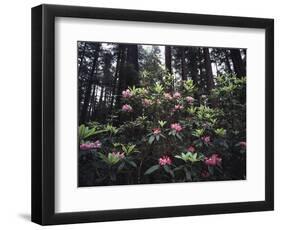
{"points": [[143, 114]]}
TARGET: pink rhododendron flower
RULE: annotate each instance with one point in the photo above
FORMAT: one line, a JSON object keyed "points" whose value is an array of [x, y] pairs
{"points": [[165, 160], [178, 107], [86, 146], [97, 144], [156, 131], [190, 100], [213, 160], [127, 108], [119, 155], [177, 127], [127, 93], [168, 96], [176, 95], [242, 144], [146, 102], [191, 149], [90, 145], [206, 139]]}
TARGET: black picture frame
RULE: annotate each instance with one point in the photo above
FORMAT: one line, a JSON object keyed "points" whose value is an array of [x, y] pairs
{"points": [[43, 110]]}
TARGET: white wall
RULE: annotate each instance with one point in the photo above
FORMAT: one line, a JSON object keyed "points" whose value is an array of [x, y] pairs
{"points": [[15, 113]]}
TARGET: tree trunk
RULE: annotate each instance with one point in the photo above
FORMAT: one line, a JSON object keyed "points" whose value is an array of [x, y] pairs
{"points": [[202, 76], [209, 72], [132, 56], [193, 65], [132, 66], [80, 82], [114, 82], [82, 59], [227, 63], [237, 62], [121, 78], [168, 59], [183, 65], [88, 90]]}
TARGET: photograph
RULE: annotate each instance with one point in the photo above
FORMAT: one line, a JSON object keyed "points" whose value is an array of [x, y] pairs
{"points": [[142, 113], [160, 113]]}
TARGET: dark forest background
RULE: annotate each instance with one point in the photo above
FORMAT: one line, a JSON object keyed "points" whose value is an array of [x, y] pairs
{"points": [[106, 69]]}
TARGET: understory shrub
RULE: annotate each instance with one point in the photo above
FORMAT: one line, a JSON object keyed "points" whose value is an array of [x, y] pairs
{"points": [[168, 132]]}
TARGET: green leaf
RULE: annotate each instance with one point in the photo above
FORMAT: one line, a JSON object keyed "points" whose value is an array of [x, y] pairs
{"points": [[124, 148], [85, 132], [179, 167], [168, 170], [151, 139], [131, 148], [132, 163], [152, 169], [157, 137], [81, 130], [162, 123], [116, 144], [198, 132], [179, 136], [158, 88], [104, 158], [220, 132], [179, 157]]}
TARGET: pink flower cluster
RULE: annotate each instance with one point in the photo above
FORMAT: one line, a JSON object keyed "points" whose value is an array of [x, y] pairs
{"points": [[177, 107], [168, 96], [177, 127], [165, 160], [176, 95], [206, 139], [127, 108], [127, 93], [191, 149], [119, 155], [190, 100], [90, 145], [156, 131], [213, 160], [146, 102]]}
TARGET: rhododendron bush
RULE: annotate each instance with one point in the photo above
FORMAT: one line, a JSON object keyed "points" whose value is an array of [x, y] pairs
{"points": [[168, 131]]}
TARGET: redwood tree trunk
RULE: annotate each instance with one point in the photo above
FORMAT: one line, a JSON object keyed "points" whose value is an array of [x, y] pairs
{"points": [[114, 82], [209, 72], [168, 59], [82, 59], [88, 90], [227, 63], [183, 65], [237, 62], [193, 65], [132, 72], [121, 76]]}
